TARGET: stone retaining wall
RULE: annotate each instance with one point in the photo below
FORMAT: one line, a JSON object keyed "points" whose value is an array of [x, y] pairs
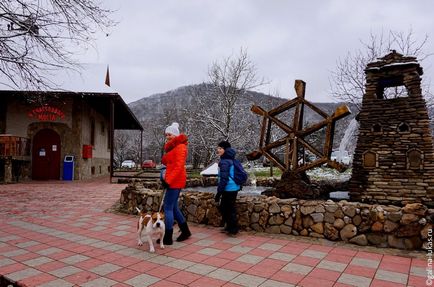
{"points": [[405, 227]]}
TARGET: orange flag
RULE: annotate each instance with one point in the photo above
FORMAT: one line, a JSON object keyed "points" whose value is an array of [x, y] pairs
{"points": [[107, 77]]}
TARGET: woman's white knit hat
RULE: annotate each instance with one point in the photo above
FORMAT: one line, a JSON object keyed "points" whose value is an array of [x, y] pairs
{"points": [[173, 129]]}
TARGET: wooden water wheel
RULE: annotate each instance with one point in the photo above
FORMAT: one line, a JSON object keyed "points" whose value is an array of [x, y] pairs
{"points": [[294, 144]]}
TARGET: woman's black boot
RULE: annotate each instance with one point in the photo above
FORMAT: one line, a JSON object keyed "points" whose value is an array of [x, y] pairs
{"points": [[167, 240], [185, 232]]}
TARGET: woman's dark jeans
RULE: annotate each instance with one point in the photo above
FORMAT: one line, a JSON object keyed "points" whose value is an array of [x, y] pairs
{"points": [[171, 209], [229, 211]]}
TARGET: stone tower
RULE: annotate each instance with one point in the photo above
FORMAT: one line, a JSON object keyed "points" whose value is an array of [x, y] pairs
{"points": [[394, 158]]}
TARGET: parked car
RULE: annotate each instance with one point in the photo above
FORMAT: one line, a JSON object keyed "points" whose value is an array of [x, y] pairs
{"points": [[128, 164], [149, 163]]}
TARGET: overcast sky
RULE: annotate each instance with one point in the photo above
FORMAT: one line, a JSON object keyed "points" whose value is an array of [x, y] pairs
{"points": [[161, 45]]}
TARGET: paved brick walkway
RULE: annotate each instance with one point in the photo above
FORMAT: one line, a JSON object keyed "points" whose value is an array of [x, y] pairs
{"points": [[58, 234]]}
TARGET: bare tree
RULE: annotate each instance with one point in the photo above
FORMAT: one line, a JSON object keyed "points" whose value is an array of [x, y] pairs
{"points": [[121, 147], [348, 79], [219, 105], [39, 37]]}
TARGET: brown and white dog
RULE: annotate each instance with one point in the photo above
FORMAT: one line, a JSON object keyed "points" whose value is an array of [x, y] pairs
{"points": [[153, 225]]}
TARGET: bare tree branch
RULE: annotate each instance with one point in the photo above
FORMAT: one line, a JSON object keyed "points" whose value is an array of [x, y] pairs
{"points": [[39, 37], [347, 81]]}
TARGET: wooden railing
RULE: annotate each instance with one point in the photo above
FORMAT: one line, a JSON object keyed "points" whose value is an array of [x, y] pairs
{"points": [[11, 145]]}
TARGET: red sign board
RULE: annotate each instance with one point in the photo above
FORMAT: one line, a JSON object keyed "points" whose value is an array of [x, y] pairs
{"points": [[46, 113]]}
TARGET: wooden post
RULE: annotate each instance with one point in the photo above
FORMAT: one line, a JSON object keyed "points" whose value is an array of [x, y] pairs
{"points": [[112, 135], [141, 149]]}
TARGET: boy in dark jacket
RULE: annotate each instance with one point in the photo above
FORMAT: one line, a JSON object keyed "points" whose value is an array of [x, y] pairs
{"points": [[227, 189]]}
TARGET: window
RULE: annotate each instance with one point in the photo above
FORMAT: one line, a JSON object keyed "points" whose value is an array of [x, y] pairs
{"points": [[369, 159], [376, 128], [414, 159], [102, 128], [403, 128], [395, 92]]}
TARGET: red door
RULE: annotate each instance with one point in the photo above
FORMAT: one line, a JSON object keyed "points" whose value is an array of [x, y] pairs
{"points": [[46, 155]]}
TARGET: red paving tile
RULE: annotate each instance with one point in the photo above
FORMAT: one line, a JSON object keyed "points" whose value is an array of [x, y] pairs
{"points": [[260, 252], [324, 274], [321, 248], [38, 279], [360, 271], [238, 266], [343, 251], [166, 283], [417, 281], [216, 262], [394, 267], [342, 285], [4, 270], [50, 266], [80, 278], [265, 272], [89, 264], [123, 274], [87, 201], [183, 277], [162, 271], [127, 261], [287, 277], [418, 262], [143, 266], [177, 253], [294, 250], [369, 255], [25, 257], [305, 260], [339, 258], [315, 282], [222, 245], [382, 283], [207, 282], [196, 257], [229, 255]]}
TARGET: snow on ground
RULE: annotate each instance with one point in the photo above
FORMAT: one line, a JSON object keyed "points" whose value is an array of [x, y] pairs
{"points": [[325, 173]]}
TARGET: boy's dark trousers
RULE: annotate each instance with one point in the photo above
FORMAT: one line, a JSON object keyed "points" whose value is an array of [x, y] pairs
{"points": [[229, 211]]}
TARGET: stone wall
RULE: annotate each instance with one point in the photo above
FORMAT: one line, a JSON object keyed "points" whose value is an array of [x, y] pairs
{"points": [[358, 223]]}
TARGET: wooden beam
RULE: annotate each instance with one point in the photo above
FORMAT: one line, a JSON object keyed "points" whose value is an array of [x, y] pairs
{"points": [[282, 125], [275, 160], [263, 130], [258, 110], [315, 109], [300, 88], [112, 135], [284, 107]]}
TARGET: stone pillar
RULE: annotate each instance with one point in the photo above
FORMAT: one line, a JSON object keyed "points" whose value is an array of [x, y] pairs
{"points": [[394, 157]]}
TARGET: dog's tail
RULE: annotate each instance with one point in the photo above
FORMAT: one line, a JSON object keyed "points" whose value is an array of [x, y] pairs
{"points": [[138, 210]]}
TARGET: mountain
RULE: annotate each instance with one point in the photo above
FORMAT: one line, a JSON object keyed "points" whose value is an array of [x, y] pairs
{"points": [[159, 110], [154, 106]]}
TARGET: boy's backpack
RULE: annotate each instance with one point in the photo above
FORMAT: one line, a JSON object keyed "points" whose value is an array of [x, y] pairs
{"points": [[240, 175]]}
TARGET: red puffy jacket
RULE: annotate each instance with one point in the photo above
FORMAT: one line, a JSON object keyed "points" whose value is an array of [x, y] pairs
{"points": [[174, 160]]}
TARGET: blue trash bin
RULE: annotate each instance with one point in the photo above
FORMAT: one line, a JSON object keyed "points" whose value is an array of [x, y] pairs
{"points": [[68, 167]]}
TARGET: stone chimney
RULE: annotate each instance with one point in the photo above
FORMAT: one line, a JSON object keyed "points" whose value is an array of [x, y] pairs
{"points": [[394, 157]]}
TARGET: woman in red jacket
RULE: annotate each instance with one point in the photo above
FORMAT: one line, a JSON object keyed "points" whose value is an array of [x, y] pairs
{"points": [[174, 180]]}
